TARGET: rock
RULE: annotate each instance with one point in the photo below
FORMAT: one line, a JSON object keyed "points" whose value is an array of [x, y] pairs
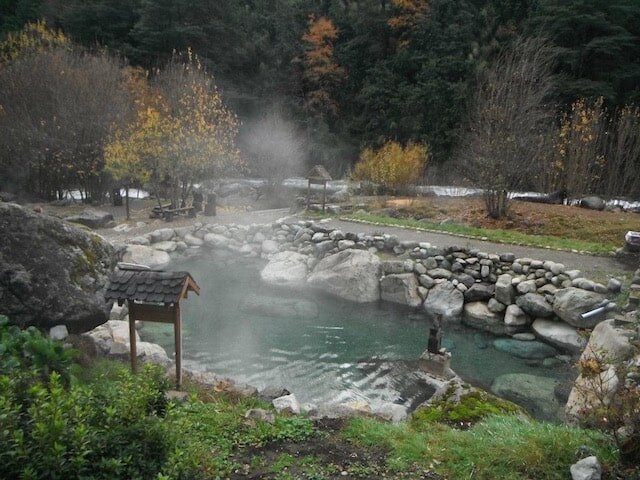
{"points": [[531, 350], [559, 334], [591, 393], [609, 342], [152, 353], [592, 202], [120, 331], [632, 241], [270, 246], [446, 300], [400, 288], [345, 244], [118, 312], [535, 393], [286, 403], [504, 291], [479, 292], [165, 246], [439, 273], [534, 305], [176, 396], [426, 281], [93, 219], [59, 332], [614, 285], [350, 274], [528, 286], [392, 266], [514, 316], [495, 306], [270, 393], [193, 241], [286, 268], [586, 469], [524, 336], [215, 240], [148, 256], [478, 315], [142, 240], [391, 412], [570, 302], [162, 235], [260, 414], [52, 273]]}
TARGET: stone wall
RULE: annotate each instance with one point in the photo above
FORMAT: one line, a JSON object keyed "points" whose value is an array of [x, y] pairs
{"points": [[501, 294]]}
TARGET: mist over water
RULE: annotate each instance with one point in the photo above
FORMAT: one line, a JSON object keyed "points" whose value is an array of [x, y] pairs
{"points": [[321, 348]]}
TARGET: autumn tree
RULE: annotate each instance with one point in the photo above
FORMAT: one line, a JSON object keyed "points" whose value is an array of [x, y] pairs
{"points": [[407, 14], [58, 105], [321, 73], [392, 166], [183, 134], [510, 125]]}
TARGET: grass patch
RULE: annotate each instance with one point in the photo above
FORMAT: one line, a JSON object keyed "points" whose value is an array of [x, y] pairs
{"points": [[492, 235], [504, 446]]}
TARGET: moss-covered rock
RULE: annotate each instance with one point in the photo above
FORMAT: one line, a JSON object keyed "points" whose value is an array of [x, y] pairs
{"points": [[51, 273], [462, 405]]}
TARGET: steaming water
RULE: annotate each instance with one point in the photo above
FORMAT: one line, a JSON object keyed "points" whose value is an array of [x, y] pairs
{"points": [[321, 348]]}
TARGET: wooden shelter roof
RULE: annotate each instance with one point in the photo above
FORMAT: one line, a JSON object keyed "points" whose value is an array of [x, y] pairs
{"points": [[140, 284], [319, 173]]}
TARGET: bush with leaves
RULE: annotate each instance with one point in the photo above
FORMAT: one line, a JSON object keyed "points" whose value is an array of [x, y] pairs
{"points": [[392, 166]]}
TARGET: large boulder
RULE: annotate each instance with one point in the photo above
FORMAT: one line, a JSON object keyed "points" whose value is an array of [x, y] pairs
{"points": [[93, 219], [479, 292], [478, 315], [446, 300], [570, 303], [143, 255], [592, 203], [532, 350], [52, 273], [286, 268], [351, 274], [535, 305], [559, 334], [610, 343], [400, 288], [533, 392]]}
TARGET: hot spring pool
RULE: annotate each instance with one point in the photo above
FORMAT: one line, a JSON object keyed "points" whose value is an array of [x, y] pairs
{"points": [[321, 348]]}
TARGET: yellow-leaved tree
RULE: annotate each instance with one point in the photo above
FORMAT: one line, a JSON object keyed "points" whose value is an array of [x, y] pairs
{"points": [[392, 166], [183, 133]]}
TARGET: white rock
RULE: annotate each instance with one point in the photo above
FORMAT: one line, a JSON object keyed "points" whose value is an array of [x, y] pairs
{"points": [[144, 255], [586, 469], [215, 240], [446, 300], [162, 235], [287, 403], [350, 274], [270, 246], [559, 334], [120, 331], [286, 268], [165, 246], [514, 316], [59, 332]]}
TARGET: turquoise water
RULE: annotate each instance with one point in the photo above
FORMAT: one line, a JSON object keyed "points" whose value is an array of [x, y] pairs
{"points": [[322, 348]]}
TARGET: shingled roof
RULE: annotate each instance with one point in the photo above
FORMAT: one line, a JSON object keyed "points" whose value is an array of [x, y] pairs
{"points": [[319, 173], [136, 283]]}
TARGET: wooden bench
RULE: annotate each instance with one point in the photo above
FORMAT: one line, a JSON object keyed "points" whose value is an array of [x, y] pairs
{"points": [[158, 210], [172, 212]]}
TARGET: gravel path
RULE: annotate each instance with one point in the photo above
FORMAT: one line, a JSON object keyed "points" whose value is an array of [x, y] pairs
{"points": [[594, 267]]}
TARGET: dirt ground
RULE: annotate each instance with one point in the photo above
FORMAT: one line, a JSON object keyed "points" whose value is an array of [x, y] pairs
{"points": [[526, 217]]}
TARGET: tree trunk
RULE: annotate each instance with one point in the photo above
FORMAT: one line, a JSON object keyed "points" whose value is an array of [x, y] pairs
{"points": [[126, 200], [497, 202]]}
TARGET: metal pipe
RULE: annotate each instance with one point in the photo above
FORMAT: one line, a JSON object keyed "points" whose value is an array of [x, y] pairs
{"points": [[602, 307]]}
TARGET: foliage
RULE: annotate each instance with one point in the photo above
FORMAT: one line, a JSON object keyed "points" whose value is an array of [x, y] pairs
{"points": [[392, 166], [321, 73], [506, 447], [57, 107], [183, 133], [471, 408], [510, 125], [32, 39]]}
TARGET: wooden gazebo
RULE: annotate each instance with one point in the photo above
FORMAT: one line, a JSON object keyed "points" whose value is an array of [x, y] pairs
{"points": [[318, 176], [152, 296]]}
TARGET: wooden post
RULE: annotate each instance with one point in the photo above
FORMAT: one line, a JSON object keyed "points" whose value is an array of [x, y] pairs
{"points": [[308, 193], [324, 195], [132, 337], [177, 327]]}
